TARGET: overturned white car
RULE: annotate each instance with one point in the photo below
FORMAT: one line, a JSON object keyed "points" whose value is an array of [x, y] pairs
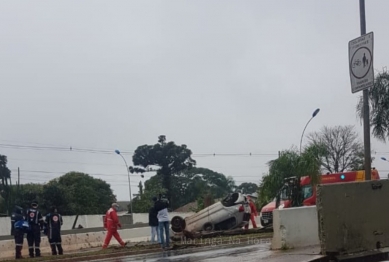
{"points": [[230, 213]]}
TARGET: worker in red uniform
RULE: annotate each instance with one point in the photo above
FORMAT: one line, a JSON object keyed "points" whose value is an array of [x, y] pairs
{"points": [[253, 214], [111, 224]]}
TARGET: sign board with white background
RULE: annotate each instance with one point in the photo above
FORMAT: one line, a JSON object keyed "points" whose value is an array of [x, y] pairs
{"points": [[361, 62]]}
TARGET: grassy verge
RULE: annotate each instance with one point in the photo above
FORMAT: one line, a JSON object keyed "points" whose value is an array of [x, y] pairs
{"points": [[147, 248]]}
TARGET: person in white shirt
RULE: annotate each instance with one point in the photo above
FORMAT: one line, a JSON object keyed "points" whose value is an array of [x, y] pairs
{"points": [[161, 206]]}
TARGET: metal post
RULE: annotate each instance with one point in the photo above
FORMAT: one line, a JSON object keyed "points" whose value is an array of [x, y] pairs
{"points": [[366, 110], [302, 135], [129, 182]]}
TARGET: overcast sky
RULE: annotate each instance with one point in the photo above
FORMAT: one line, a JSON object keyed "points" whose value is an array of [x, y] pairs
{"points": [[234, 77]]}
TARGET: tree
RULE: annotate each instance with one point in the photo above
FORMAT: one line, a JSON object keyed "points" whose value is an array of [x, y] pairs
{"points": [[200, 184], [188, 186], [73, 194], [340, 148], [289, 164], [169, 157], [379, 106], [26, 193], [248, 188], [5, 186], [82, 194], [153, 187]]}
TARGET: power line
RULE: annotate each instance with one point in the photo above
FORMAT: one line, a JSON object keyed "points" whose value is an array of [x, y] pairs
{"points": [[104, 164], [98, 174], [64, 162], [107, 151]]}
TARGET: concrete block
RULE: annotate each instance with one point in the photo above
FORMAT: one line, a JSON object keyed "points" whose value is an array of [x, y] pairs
{"points": [[91, 221], [127, 219], [73, 242], [295, 227], [353, 217]]}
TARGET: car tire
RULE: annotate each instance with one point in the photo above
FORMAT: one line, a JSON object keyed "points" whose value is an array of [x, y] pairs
{"points": [[178, 224], [208, 227]]}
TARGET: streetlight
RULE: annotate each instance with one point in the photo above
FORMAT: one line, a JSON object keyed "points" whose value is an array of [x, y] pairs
{"points": [[313, 115], [129, 180]]}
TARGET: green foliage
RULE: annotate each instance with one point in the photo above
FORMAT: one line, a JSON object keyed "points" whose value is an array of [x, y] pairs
{"points": [[73, 194], [289, 164], [338, 148], [5, 184], [169, 157], [26, 193], [153, 187], [379, 106], [247, 188], [187, 186]]}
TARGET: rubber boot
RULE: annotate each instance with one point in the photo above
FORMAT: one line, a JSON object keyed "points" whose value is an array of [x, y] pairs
{"points": [[53, 249], [60, 250], [37, 252], [18, 252], [31, 252]]}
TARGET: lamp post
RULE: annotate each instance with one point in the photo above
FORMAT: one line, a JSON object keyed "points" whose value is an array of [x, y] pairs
{"points": [[129, 180], [313, 115]]}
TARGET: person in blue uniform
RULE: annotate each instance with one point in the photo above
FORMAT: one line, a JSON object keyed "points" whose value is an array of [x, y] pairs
{"points": [[36, 222], [53, 231], [19, 226]]}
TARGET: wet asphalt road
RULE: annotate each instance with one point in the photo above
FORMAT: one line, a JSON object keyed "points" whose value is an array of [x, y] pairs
{"points": [[208, 254], [236, 253]]}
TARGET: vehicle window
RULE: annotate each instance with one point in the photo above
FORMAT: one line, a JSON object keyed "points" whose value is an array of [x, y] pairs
{"points": [[230, 200], [307, 191], [285, 194]]}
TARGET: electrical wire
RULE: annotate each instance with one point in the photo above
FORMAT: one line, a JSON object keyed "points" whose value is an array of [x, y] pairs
{"points": [[107, 151]]}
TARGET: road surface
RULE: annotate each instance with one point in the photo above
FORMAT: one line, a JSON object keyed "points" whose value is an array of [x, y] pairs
{"points": [[233, 253]]}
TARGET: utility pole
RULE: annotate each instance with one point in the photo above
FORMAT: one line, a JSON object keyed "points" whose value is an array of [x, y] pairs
{"points": [[366, 109], [18, 179]]}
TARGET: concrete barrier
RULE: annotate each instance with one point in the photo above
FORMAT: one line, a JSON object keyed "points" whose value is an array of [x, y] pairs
{"points": [[73, 242], [295, 227], [89, 221], [353, 217]]}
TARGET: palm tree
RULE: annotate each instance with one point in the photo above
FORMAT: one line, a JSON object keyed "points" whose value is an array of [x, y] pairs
{"points": [[5, 187], [290, 164], [379, 106]]}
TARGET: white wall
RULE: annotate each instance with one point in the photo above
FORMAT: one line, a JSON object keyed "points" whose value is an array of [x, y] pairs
{"points": [[295, 227], [144, 217], [78, 241], [87, 221]]}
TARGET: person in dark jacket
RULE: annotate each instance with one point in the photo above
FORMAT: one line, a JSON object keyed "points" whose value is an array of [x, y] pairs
{"points": [[161, 206], [54, 222], [19, 226], [36, 222], [153, 222]]}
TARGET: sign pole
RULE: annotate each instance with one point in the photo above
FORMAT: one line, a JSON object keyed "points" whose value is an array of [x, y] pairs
{"points": [[366, 110]]}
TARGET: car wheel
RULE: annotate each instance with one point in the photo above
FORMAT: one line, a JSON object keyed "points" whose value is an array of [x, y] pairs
{"points": [[208, 227], [178, 224]]}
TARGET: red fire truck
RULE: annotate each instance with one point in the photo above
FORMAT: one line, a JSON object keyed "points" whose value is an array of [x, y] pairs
{"points": [[309, 191]]}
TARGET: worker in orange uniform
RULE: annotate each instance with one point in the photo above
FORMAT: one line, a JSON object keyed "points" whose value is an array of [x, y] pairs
{"points": [[253, 214], [111, 224]]}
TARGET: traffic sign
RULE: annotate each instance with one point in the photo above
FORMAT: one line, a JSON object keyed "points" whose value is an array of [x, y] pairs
{"points": [[361, 62]]}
